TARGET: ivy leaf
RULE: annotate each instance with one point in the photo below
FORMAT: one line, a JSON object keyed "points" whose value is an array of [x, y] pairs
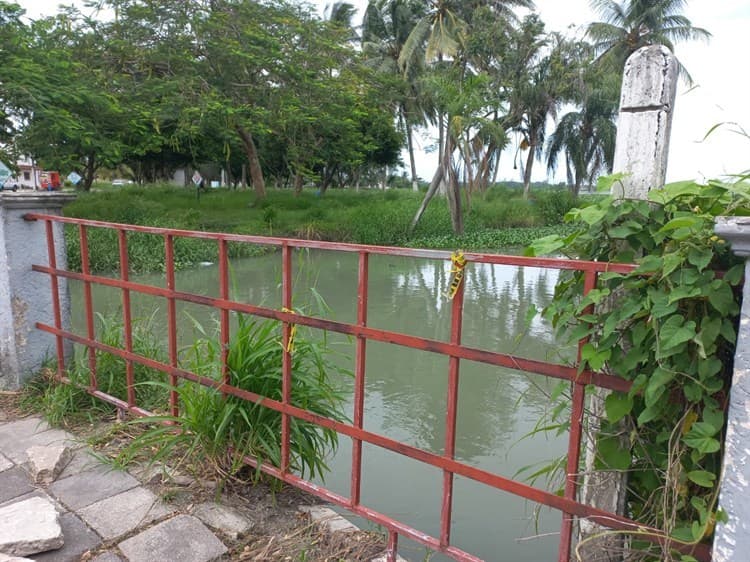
{"points": [[721, 297], [671, 262], [734, 275], [611, 455], [650, 264], [545, 245], [682, 222], [700, 257], [650, 414], [594, 357], [656, 383], [702, 478], [676, 331], [617, 406], [592, 215], [701, 438]]}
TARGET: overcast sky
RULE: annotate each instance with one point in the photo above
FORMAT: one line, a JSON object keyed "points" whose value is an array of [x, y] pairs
{"points": [[720, 69]]}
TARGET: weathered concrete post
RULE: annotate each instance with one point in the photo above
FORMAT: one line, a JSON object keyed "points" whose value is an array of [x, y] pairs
{"points": [[25, 296], [732, 539], [649, 89]]}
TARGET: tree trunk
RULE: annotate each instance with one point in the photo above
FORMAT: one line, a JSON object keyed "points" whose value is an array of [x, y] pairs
{"points": [[298, 183], [453, 193], [437, 179], [527, 171], [412, 162], [243, 179], [88, 172], [256, 172]]}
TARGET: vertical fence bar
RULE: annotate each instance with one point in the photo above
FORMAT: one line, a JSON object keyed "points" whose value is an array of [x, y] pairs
{"points": [[126, 316], [574, 441], [55, 297], [88, 303], [452, 410], [360, 361], [286, 361], [171, 322], [392, 550], [224, 313]]}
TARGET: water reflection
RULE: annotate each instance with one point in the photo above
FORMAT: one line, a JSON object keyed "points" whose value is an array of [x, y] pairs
{"points": [[406, 389]]}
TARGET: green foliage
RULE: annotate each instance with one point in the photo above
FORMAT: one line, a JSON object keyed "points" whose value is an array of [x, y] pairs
{"points": [[224, 428], [669, 327], [368, 216], [58, 401]]}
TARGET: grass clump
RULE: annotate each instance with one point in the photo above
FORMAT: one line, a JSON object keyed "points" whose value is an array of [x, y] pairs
{"points": [[62, 403], [224, 429]]}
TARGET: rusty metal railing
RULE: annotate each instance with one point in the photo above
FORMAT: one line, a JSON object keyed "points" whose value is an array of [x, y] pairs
{"points": [[566, 504]]}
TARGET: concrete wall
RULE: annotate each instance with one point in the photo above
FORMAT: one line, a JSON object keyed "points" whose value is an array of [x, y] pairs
{"points": [[25, 296], [732, 539]]}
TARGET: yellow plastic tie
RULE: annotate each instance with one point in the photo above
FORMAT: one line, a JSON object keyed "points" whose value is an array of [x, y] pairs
{"points": [[459, 263], [292, 331]]}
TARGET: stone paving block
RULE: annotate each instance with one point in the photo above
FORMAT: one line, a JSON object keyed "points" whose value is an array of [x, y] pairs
{"points": [[121, 514], [13, 483], [6, 558], [78, 540], [37, 493], [85, 488], [16, 450], [46, 463], [30, 527], [180, 539], [107, 557], [82, 461], [5, 463], [227, 520], [21, 429], [329, 519]]}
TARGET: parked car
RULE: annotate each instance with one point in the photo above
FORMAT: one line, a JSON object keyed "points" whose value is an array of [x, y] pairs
{"points": [[120, 182]]}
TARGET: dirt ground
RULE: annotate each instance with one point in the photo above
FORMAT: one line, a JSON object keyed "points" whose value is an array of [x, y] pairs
{"points": [[279, 532]]}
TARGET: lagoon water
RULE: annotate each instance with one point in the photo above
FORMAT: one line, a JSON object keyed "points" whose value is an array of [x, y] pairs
{"points": [[406, 389]]}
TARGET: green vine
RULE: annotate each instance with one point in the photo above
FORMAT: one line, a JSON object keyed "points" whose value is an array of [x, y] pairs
{"points": [[670, 328]]}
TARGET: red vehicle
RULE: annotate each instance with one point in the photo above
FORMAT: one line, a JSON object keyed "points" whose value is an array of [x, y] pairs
{"points": [[49, 181]]}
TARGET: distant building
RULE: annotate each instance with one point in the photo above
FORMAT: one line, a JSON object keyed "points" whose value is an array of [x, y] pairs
{"points": [[29, 176]]}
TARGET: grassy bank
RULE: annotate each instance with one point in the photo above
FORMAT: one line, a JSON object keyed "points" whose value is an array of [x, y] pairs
{"points": [[497, 219]]}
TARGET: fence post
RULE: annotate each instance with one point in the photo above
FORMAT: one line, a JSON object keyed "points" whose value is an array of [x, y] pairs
{"points": [[649, 88], [732, 539], [25, 296]]}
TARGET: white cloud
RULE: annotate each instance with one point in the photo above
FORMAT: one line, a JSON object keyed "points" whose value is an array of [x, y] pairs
{"points": [[720, 69]]}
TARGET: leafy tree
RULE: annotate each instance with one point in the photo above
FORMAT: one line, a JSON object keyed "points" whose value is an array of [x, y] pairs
{"points": [[631, 24], [586, 137], [386, 27]]}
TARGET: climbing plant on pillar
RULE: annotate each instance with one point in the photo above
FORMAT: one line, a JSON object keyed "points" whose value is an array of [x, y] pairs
{"points": [[671, 332]]}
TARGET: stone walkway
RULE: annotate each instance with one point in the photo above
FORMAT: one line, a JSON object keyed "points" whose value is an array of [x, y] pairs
{"points": [[59, 503], [88, 507]]}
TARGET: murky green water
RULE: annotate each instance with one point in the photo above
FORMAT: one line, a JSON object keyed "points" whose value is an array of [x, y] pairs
{"points": [[406, 389]]}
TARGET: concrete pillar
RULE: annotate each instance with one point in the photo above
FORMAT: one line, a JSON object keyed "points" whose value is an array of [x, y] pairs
{"points": [[25, 296], [732, 539], [649, 87]]}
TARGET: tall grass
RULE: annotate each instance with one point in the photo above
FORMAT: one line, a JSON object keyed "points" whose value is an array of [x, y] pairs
{"points": [[60, 402], [368, 217], [224, 428]]}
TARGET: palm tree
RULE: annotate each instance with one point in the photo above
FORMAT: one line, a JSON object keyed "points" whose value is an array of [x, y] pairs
{"points": [[386, 27], [586, 138], [632, 24]]}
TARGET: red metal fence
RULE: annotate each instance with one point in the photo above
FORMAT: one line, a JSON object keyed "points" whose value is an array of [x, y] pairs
{"points": [[566, 504]]}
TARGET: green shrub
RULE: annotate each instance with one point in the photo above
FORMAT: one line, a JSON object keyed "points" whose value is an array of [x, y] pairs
{"points": [[224, 428], [669, 328]]}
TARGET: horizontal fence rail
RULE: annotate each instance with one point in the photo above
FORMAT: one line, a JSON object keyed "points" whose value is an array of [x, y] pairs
{"points": [[453, 349]]}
